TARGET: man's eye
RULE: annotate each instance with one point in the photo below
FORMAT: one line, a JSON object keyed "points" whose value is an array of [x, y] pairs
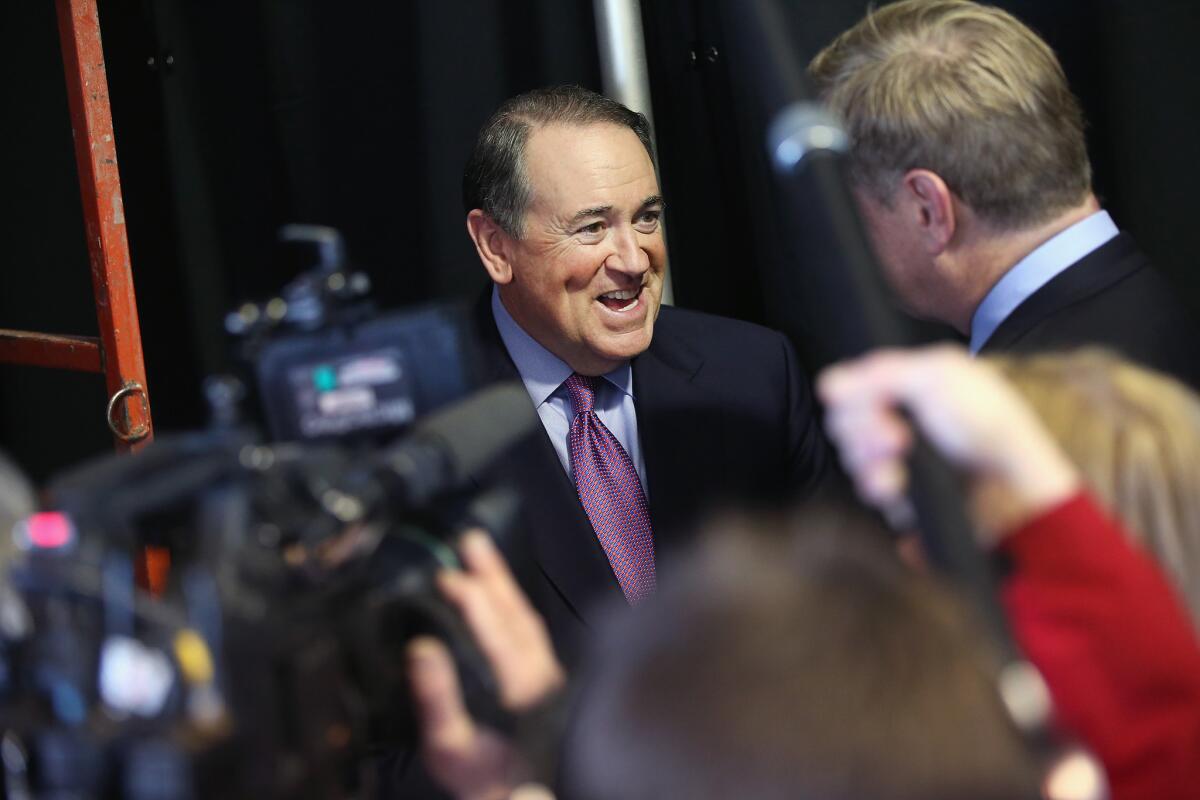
{"points": [[595, 229], [649, 219]]}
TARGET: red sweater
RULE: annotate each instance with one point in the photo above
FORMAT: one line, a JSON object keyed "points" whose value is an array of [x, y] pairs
{"points": [[1115, 646]]}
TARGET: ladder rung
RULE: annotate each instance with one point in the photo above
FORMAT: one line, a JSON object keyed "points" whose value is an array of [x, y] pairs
{"points": [[48, 350]]}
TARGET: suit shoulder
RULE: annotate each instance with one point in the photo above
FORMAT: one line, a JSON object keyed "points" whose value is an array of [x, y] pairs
{"points": [[698, 327], [733, 353]]}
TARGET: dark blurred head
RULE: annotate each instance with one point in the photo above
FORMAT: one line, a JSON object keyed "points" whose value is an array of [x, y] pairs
{"points": [[800, 666]]}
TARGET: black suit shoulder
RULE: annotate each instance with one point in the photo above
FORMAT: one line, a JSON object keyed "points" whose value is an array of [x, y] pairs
{"points": [[738, 354], [1112, 298], [738, 388], [698, 323], [724, 414]]}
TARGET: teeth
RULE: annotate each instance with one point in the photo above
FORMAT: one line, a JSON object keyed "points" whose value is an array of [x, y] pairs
{"points": [[624, 294], [633, 303]]}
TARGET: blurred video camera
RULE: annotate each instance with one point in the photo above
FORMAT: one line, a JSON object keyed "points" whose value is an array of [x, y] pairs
{"points": [[287, 574], [328, 365]]}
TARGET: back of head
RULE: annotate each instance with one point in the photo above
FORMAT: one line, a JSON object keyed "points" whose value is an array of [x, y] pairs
{"points": [[813, 667], [495, 180], [1135, 436], [966, 91]]}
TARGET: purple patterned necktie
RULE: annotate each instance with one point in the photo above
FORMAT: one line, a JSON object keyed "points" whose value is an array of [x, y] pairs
{"points": [[611, 493]]}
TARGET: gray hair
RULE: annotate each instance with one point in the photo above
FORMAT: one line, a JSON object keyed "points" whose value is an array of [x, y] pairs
{"points": [[964, 90], [495, 179]]}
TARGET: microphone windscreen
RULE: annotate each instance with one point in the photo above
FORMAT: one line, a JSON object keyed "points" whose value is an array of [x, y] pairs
{"points": [[448, 447]]}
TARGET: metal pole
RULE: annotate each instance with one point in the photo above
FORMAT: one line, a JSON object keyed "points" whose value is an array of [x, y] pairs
{"points": [[622, 46]]}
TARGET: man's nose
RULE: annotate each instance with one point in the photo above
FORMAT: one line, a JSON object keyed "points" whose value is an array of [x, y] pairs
{"points": [[627, 255]]}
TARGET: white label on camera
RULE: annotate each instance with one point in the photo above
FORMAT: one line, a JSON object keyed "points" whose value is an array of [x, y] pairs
{"points": [[353, 400], [134, 678]]}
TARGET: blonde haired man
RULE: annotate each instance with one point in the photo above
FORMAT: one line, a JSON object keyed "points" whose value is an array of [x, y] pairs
{"points": [[970, 166]]}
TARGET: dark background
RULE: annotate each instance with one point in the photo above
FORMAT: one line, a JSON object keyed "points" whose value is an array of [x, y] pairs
{"points": [[233, 117]]}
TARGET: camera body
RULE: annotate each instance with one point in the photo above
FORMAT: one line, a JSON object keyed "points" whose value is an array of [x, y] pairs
{"points": [[270, 661]]}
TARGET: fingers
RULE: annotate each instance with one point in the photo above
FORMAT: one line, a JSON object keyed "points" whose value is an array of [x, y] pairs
{"points": [[488, 626], [467, 761], [485, 562], [890, 376], [873, 441], [485, 592], [864, 399], [510, 634], [437, 696], [963, 408], [868, 435], [869, 380]]}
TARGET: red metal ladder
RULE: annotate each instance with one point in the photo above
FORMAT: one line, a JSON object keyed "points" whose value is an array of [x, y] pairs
{"points": [[117, 352]]}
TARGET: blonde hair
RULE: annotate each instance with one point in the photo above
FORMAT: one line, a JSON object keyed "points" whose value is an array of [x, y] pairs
{"points": [[966, 91], [1135, 436]]}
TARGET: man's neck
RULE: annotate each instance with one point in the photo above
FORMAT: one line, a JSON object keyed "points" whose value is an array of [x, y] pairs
{"points": [[990, 255]]}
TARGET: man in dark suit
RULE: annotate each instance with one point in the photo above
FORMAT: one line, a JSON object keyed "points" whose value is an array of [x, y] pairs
{"points": [[651, 415], [970, 166]]}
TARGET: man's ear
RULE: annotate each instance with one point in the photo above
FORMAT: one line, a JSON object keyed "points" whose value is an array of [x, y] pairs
{"points": [[933, 203], [493, 244]]}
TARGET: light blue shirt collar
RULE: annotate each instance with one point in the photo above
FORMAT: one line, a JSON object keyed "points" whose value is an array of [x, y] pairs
{"points": [[1036, 270], [541, 371]]}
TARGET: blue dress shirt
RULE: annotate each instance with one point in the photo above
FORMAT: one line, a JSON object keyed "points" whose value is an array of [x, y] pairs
{"points": [[1035, 270], [543, 374]]}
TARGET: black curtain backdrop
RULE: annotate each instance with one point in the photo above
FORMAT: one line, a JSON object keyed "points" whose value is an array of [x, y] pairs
{"points": [[233, 117]]}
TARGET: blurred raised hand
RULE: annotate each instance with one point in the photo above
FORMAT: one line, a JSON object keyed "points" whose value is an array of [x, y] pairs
{"points": [[467, 759], [966, 411]]}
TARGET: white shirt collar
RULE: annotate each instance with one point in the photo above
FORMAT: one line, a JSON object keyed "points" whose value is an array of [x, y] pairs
{"points": [[541, 371], [1036, 270]]}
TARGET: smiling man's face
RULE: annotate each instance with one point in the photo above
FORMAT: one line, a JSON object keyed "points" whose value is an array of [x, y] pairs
{"points": [[586, 274]]}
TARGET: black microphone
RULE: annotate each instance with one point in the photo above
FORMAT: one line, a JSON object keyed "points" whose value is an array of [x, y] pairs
{"points": [[446, 449], [836, 281], [827, 291]]}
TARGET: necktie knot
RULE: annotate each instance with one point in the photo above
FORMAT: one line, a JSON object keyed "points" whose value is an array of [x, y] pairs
{"points": [[582, 390]]}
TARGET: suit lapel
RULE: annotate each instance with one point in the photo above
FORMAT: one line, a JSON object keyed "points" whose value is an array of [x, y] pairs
{"points": [[563, 543], [675, 446], [1114, 260]]}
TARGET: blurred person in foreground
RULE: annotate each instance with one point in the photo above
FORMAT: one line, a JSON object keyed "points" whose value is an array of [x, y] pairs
{"points": [[1134, 436], [821, 668], [1093, 613], [812, 666], [776, 667], [968, 159]]}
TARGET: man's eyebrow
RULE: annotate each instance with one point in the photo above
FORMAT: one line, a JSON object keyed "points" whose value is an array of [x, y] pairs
{"points": [[653, 200], [601, 211], [595, 211]]}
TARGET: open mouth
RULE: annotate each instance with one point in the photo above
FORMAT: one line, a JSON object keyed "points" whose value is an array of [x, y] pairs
{"points": [[622, 301]]}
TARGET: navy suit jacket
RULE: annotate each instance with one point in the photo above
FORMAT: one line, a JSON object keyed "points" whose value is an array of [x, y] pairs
{"points": [[725, 414], [1114, 298]]}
